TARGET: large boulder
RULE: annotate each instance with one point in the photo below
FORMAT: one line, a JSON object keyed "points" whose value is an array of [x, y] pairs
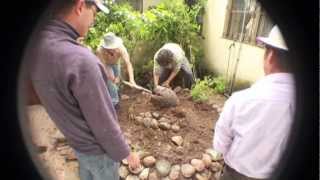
{"points": [[164, 97]]}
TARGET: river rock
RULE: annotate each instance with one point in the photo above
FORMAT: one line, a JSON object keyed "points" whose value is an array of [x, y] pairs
{"points": [[125, 161], [206, 174], [217, 175], [137, 170], [154, 124], [149, 161], [156, 115], [142, 114], [163, 119], [147, 122], [215, 167], [177, 140], [215, 156], [123, 172], [200, 177], [163, 167], [206, 159], [132, 177], [139, 119], [144, 174], [198, 164], [147, 115], [175, 128], [153, 176], [187, 170], [175, 172], [164, 126]]}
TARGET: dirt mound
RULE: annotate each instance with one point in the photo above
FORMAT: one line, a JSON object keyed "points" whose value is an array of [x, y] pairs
{"points": [[195, 122]]}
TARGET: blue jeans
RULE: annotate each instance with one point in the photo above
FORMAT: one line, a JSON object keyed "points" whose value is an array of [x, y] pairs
{"points": [[97, 167], [112, 87]]}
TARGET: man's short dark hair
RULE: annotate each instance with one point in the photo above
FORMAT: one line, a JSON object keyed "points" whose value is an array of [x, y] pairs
{"points": [[63, 6], [164, 57], [283, 62]]}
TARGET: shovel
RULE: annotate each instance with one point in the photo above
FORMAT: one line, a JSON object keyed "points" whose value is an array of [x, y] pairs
{"points": [[137, 87]]}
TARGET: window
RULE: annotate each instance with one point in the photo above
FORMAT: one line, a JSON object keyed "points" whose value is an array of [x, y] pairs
{"points": [[245, 20]]}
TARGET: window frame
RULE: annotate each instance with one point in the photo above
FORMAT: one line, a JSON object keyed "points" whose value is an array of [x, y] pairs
{"points": [[258, 19]]}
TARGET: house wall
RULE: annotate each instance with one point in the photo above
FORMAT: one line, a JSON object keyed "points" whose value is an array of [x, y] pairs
{"points": [[148, 3], [250, 66]]}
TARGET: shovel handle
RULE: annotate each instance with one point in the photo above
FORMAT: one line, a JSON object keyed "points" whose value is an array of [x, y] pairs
{"points": [[137, 87]]}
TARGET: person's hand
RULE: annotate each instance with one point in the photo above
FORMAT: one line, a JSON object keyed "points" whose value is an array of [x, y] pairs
{"points": [[116, 80], [166, 84], [133, 161], [133, 82]]}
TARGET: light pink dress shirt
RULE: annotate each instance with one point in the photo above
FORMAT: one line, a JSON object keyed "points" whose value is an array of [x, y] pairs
{"points": [[254, 126]]}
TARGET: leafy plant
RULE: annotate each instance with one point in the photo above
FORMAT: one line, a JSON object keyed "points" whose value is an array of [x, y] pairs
{"points": [[201, 91], [219, 84], [207, 87]]}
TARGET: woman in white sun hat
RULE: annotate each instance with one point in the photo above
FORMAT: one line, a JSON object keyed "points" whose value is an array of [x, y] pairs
{"points": [[110, 53], [253, 129]]}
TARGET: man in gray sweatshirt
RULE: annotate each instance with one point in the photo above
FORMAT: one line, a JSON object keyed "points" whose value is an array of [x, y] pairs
{"points": [[71, 84]]}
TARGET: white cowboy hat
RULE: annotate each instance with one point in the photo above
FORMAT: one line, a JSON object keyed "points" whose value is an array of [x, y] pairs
{"points": [[274, 39], [99, 5], [111, 41]]}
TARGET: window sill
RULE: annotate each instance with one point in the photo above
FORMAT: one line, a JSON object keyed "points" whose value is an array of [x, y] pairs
{"points": [[245, 42]]}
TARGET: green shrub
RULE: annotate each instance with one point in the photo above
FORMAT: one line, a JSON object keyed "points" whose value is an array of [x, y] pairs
{"points": [[219, 84], [207, 87], [201, 91], [169, 21]]}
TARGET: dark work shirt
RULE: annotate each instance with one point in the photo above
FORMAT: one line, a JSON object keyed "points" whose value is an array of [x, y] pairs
{"points": [[71, 84]]}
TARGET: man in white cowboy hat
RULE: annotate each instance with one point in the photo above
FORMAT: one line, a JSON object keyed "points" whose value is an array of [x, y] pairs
{"points": [[109, 53], [253, 128], [70, 82]]}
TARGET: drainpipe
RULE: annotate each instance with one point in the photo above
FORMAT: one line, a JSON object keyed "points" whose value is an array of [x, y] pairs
{"points": [[240, 48], [228, 79]]}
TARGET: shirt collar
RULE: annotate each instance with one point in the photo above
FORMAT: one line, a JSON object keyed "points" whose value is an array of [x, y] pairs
{"points": [[64, 27], [279, 78]]}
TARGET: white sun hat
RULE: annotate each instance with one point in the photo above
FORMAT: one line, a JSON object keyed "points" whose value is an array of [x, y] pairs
{"points": [[274, 39], [111, 41], [99, 5]]}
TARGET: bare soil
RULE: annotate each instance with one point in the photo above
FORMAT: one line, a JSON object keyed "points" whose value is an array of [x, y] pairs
{"points": [[196, 121]]}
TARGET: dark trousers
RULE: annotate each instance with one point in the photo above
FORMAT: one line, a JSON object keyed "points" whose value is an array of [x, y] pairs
{"points": [[184, 78], [231, 174]]}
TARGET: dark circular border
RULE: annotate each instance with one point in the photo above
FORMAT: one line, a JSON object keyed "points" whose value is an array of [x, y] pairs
{"points": [[299, 23]]}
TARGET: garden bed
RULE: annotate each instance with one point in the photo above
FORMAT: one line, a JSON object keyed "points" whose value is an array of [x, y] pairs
{"points": [[181, 134]]}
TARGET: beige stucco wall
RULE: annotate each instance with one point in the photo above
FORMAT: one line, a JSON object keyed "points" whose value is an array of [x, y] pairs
{"points": [[216, 48], [147, 3]]}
